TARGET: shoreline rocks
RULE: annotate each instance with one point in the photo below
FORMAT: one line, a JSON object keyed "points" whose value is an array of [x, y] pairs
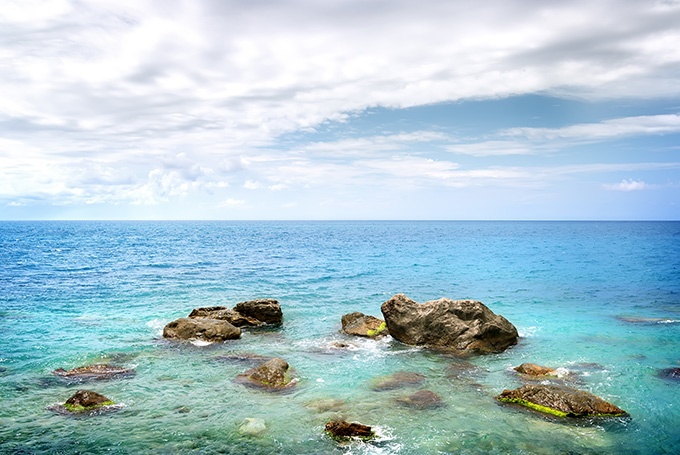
{"points": [[342, 430], [561, 401], [85, 402], [537, 371], [459, 326]]}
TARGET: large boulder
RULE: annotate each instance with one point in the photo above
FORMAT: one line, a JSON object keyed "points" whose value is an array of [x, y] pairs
{"points": [[362, 325], [225, 314], [211, 330], [561, 401], [265, 310], [271, 375], [460, 326], [96, 371]]}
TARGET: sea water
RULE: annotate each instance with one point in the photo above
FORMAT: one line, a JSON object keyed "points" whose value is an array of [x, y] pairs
{"points": [[78, 293]]}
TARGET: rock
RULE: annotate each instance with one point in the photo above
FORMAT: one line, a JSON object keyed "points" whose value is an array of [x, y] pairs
{"points": [[252, 427], [422, 399], [322, 405], [211, 330], [265, 310], [531, 369], [670, 373], [97, 371], [340, 429], [460, 326], [362, 325], [248, 358], [225, 314], [561, 401], [646, 320], [398, 380], [271, 375], [85, 402]]}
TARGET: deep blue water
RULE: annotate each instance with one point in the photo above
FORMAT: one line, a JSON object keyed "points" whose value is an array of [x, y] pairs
{"points": [[75, 293]]}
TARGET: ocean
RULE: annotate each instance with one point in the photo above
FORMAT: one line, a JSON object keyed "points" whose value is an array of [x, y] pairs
{"points": [[600, 301]]}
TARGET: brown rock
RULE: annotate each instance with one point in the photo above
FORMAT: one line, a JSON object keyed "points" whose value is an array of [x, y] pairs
{"points": [[95, 372], [271, 375], [422, 399], [561, 401], [225, 314], [460, 326], [362, 325], [212, 330], [398, 380], [265, 310], [340, 429], [531, 369]]}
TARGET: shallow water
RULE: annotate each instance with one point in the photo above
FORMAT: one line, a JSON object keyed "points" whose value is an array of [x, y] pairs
{"points": [[76, 293]]}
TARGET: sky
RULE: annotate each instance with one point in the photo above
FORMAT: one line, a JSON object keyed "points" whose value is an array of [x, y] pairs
{"points": [[343, 109]]}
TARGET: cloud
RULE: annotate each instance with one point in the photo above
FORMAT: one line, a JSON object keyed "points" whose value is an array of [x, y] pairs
{"points": [[628, 185]]}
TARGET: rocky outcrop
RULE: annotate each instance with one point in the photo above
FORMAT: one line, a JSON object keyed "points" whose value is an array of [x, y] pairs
{"points": [[533, 370], [398, 380], [210, 330], [85, 402], [561, 401], [271, 375], [265, 310], [459, 326], [225, 314], [359, 324], [97, 371], [422, 399], [340, 429]]}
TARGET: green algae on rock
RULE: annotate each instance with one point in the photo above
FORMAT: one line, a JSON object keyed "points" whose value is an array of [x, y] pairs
{"points": [[561, 401], [84, 402]]}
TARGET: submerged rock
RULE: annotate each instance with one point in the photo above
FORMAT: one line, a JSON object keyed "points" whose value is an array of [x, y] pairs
{"points": [[210, 330], [265, 310], [461, 326], [271, 375], [646, 320], [97, 371], [225, 314], [322, 405], [398, 380], [670, 373], [340, 429], [561, 401], [252, 426], [422, 399], [85, 402], [531, 369], [359, 324]]}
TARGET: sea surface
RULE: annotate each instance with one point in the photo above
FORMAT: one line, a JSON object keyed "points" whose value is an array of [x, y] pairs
{"points": [[598, 300]]}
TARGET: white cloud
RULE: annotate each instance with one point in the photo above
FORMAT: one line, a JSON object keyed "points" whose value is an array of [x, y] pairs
{"points": [[628, 185], [231, 202]]}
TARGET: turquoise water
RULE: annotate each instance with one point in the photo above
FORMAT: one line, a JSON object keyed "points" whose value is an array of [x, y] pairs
{"points": [[75, 293]]}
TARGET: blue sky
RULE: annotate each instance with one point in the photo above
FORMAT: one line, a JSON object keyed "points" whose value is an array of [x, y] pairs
{"points": [[371, 109]]}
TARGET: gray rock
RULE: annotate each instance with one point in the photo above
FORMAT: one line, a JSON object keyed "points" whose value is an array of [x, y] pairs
{"points": [[211, 330], [252, 427], [459, 326], [225, 314]]}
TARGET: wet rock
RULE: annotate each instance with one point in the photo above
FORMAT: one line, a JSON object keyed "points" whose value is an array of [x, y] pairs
{"points": [[398, 380], [422, 399], [340, 429], [459, 326], [561, 401], [252, 427], [531, 369], [225, 314], [85, 402], [98, 371], [265, 310], [359, 324], [271, 375], [210, 330], [670, 373], [462, 370]]}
